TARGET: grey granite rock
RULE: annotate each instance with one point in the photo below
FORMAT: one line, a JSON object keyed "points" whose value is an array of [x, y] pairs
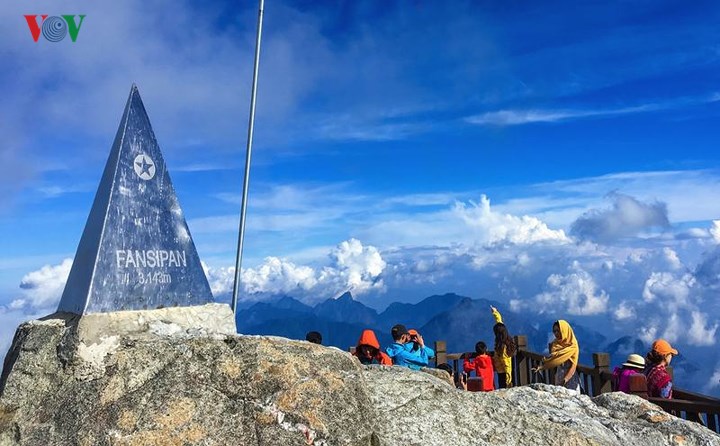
{"points": [[183, 387]]}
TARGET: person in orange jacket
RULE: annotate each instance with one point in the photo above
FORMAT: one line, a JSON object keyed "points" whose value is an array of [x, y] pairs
{"points": [[482, 364], [368, 350]]}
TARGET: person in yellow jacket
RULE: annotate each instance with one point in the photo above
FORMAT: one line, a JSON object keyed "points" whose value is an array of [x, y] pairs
{"points": [[505, 349], [564, 357]]}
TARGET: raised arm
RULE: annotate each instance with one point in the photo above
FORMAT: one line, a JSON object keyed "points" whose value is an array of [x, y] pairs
{"points": [[496, 314]]}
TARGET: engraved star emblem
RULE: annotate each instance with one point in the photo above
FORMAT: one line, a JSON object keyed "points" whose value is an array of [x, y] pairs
{"points": [[144, 167]]}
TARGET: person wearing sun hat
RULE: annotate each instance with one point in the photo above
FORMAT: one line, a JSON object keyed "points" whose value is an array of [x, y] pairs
{"points": [[635, 364], [659, 382]]}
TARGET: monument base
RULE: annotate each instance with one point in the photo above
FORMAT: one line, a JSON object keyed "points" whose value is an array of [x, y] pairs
{"points": [[198, 320], [194, 320], [90, 338]]}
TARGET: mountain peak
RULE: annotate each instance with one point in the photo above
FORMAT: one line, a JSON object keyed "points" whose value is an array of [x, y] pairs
{"points": [[346, 296], [346, 309], [290, 303]]}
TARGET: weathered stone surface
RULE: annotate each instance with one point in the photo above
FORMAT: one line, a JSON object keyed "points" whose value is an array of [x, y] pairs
{"points": [[418, 410], [172, 389], [176, 386]]}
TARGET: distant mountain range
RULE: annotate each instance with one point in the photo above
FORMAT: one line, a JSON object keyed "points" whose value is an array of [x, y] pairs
{"points": [[459, 321]]}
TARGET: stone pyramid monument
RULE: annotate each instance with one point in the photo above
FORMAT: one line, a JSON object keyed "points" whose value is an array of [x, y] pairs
{"points": [[136, 252]]}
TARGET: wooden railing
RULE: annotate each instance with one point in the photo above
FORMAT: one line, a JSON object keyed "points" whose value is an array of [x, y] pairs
{"points": [[595, 380]]}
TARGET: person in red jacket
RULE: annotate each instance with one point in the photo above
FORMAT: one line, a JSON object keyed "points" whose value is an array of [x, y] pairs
{"points": [[483, 366], [368, 350]]}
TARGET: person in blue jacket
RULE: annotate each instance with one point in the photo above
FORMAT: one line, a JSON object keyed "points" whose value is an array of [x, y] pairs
{"points": [[416, 345], [401, 350]]}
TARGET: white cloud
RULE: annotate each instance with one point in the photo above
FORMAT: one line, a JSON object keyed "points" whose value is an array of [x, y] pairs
{"points": [[681, 328], [520, 117], [352, 128], [277, 276], [43, 288], [700, 333], [283, 217], [40, 292], [353, 267], [464, 223], [582, 194], [359, 265], [714, 381], [573, 293], [627, 217], [668, 290], [221, 279], [492, 227], [693, 233], [624, 311], [672, 259], [648, 333], [673, 328], [671, 308], [715, 231]]}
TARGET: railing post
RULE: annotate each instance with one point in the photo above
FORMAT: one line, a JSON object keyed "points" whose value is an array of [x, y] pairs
{"points": [[522, 366], [601, 361], [440, 352]]}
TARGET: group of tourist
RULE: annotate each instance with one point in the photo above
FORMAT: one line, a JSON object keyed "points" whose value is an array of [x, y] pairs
{"points": [[653, 367], [409, 350]]}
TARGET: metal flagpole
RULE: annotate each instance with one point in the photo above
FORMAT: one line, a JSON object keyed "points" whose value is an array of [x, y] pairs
{"points": [[251, 127]]}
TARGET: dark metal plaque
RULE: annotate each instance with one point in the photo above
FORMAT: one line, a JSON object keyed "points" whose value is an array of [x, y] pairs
{"points": [[136, 252]]}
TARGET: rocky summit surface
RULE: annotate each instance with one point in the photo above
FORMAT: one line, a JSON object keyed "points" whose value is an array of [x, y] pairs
{"points": [[168, 385]]}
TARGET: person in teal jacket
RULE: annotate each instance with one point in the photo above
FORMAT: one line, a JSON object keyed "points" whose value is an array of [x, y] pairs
{"points": [[401, 350]]}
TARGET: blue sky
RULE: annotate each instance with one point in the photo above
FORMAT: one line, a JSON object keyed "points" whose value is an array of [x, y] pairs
{"points": [[561, 158]]}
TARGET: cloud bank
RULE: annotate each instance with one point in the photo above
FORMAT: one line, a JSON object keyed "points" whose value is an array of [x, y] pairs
{"points": [[350, 266], [639, 277]]}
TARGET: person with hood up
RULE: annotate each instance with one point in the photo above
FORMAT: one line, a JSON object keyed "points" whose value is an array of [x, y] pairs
{"points": [[401, 350], [368, 350], [564, 354]]}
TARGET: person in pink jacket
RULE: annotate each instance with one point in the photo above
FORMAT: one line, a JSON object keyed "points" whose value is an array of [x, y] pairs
{"points": [[635, 364]]}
